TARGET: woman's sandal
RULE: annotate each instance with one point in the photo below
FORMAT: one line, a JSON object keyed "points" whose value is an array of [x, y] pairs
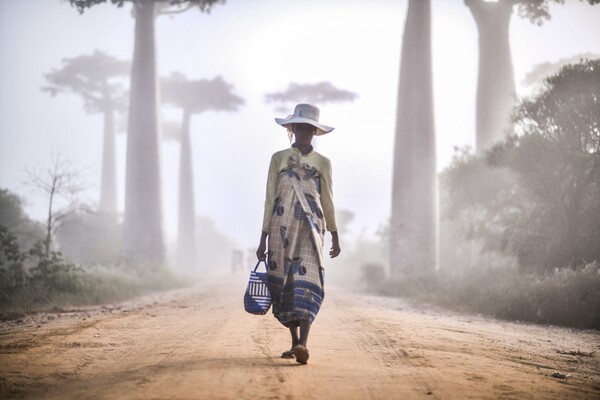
{"points": [[288, 354], [301, 354]]}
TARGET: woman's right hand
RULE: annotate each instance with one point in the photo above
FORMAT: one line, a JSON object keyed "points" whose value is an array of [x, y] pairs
{"points": [[261, 251], [262, 247]]}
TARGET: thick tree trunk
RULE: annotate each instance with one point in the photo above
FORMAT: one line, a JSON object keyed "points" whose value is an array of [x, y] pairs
{"points": [[108, 186], [413, 230], [143, 225], [495, 86], [186, 247]]}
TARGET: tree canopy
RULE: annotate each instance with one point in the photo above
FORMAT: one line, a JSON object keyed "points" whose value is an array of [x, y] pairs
{"points": [[317, 93], [98, 78], [536, 195], [200, 95], [537, 11], [182, 5], [11, 209], [539, 72]]}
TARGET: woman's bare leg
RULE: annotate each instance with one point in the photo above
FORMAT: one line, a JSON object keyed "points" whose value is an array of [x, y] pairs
{"points": [[294, 333], [304, 330], [300, 351]]}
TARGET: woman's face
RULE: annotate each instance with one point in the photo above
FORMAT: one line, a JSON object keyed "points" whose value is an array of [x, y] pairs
{"points": [[304, 133]]}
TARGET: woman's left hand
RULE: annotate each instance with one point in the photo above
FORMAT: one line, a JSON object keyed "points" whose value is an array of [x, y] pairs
{"points": [[335, 245]]}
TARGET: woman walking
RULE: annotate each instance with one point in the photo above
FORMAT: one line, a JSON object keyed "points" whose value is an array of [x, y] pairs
{"points": [[298, 210]]}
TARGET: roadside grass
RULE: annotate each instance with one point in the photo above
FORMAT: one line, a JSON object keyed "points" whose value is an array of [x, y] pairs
{"points": [[566, 297], [39, 279], [73, 286]]}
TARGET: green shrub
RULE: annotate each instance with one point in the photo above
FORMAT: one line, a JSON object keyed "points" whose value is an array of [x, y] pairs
{"points": [[51, 273], [12, 272], [32, 280]]}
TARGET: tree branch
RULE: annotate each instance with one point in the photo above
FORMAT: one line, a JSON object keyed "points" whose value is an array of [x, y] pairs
{"points": [[166, 11]]}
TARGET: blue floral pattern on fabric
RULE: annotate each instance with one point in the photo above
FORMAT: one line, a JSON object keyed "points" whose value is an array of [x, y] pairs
{"points": [[312, 223], [299, 213], [272, 264], [312, 173], [284, 239], [292, 173], [295, 266], [314, 207], [277, 207]]}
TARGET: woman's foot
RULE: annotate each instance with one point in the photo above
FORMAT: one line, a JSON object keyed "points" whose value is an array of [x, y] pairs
{"points": [[288, 354], [301, 354]]}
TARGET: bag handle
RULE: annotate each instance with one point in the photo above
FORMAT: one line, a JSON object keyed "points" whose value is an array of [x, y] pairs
{"points": [[258, 263]]}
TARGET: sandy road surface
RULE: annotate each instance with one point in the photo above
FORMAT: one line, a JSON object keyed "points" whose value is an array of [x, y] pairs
{"points": [[199, 344]]}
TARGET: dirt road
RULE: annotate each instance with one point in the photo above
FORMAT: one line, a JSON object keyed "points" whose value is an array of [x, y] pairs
{"points": [[199, 344]]}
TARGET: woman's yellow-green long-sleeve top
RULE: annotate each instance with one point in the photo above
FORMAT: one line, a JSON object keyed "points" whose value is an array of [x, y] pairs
{"points": [[279, 163]]}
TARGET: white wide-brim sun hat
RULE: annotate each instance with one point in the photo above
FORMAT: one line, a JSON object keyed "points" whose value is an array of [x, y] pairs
{"points": [[305, 114]]}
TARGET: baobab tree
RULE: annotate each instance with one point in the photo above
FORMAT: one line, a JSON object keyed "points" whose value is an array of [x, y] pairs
{"points": [[143, 236], [317, 94], [100, 80], [496, 86], [193, 97], [413, 230]]}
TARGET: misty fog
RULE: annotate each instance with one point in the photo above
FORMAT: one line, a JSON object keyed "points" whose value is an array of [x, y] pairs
{"points": [[253, 61]]}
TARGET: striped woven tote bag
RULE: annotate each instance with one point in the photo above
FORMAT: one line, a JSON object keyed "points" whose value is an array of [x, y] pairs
{"points": [[257, 299]]}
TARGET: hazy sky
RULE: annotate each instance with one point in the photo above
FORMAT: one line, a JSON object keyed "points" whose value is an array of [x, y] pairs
{"points": [[259, 46]]}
